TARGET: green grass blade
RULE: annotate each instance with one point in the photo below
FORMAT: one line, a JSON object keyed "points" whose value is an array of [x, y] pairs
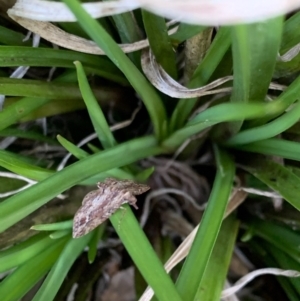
{"points": [[268, 130], [276, 176], [80, 154], [11, 37], [290, 35], [27, 134], [24, 251], [265, 39], [201, 76], [160, 42], [192, 274], [220, 113], [21, 108], [215, 274], [290, 38], [12, 56], [143, 255], [185, 31], [260, 248], [274, 147], [129, 32], [254, 48], [283, 238], [149, 96], [59, 234], [98, 119], [12, 163], [241, 63], [39, 89], [285, 262], [66, 225], [20, 205], [60, 269], [16, 285], [76, 151], [286, 98], [93, 243]]}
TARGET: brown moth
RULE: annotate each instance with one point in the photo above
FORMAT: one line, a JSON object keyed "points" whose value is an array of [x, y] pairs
{"points": [[99, 205]]}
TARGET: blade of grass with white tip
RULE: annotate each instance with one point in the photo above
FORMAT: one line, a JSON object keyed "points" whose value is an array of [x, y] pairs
{"points": [[191, 274], [149, 96], [97, 117]]}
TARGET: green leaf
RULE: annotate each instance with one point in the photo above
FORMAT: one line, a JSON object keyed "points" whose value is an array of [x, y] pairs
{"points": [[192, 274], [17, 284], [12, 56], [12, 163], [98, 119], [215, 274], [76, 151], [268, 130], [66, 225], [27, 134], [160, 42], [149, 96], [201, 76], [283, 238], [221, 113], [186, 31], [275, 147], [19, 109], [284, 261], [60, 269], [22, 252], [143, 255], [93, 243], [276, 176], [254, 48]]}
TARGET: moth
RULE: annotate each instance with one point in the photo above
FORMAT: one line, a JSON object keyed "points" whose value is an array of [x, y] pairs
{"points": [[98, 205]]}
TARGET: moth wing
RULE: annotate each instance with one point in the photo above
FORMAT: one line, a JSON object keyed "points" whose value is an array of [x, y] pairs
{"points": [[94, 211], [90, 196]]}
